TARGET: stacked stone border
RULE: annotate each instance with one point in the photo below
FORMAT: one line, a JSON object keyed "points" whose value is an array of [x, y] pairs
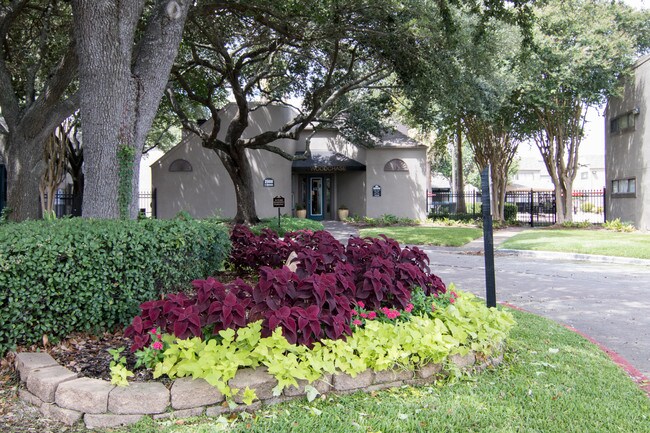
{"points": [[62, 396]]}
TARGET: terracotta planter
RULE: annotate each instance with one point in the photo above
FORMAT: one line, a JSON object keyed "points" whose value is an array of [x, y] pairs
{"points": [[343, 214], [301, 213]]}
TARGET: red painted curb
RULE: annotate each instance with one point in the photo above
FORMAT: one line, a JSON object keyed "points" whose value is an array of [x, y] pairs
{"points": [[638, 377]]}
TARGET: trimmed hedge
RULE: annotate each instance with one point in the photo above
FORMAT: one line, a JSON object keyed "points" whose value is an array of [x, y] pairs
{"points": [[62, 276]]}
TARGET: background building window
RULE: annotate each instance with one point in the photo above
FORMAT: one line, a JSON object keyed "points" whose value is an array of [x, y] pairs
{"points": [[623, 122], [180, 165], [624, 187], [396, 165]]}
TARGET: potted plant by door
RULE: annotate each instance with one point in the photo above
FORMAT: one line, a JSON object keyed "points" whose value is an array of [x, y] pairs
{"points": [[301, 212], [343, 212]]}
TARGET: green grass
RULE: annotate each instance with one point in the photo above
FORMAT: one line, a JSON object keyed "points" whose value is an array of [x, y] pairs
{"points": [[552, 380], [440, 236], [287, 224], [603, 242]]}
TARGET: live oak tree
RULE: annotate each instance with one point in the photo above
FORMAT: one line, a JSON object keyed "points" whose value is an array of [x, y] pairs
{"points": [[330, 56], [581, 49], [38, 65], [126, 50]]}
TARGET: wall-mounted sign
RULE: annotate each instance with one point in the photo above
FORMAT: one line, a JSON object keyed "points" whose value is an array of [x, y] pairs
{"points": [[269, 182], [376, 191], [278, 201]]}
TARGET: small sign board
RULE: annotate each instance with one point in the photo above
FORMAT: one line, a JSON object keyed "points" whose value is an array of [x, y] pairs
{"points": [[376, 191], [278, 201], [269, 182]]}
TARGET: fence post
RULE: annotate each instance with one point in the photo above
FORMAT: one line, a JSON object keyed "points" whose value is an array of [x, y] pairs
{"points": [[530, 200], [154, 204], [604, 205]]}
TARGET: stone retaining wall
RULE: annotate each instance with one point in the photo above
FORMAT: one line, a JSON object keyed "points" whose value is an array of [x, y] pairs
{"points": [[64, 397]]}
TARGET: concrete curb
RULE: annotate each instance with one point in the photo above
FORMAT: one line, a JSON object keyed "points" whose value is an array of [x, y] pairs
{"points": [[64, 398], [552, 255]]}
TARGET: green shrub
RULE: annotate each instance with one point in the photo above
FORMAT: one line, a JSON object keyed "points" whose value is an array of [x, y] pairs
{"points": [[67, 275], [510, 212], [618, 226], [576, 224], [587, 207]]}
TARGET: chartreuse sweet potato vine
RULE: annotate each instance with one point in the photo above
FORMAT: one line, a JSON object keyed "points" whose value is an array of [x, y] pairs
{"points": [[429, 337]]}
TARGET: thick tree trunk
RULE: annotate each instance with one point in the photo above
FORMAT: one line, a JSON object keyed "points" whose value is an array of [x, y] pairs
{"points": [[238, 166], [23, 161], [120, 88]]}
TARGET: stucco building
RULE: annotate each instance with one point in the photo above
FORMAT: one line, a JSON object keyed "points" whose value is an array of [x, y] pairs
{"points": [[391, 178], [627, 150]]}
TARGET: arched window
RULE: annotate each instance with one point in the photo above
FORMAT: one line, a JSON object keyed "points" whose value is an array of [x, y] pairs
{"points": [[396, 165], [180, 165]]}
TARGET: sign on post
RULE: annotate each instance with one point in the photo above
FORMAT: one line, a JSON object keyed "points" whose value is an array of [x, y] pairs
{"points": [[269, 182], [278, 201]]}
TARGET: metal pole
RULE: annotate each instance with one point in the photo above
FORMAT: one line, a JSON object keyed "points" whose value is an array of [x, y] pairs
{"points": [[488, 242], [278, 218]]}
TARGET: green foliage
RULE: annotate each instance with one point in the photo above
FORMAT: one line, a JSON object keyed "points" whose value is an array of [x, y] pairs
{"points": [[510, 212], [287, 224], [618, 226], [125, 156], [385, 220], [587, 207], [67, 275], [576, 225], [119, 372], [4, 215], [463, 324]]}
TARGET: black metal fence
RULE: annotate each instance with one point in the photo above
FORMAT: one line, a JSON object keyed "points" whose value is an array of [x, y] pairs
{"points": [[70, 205], [536, 208]]}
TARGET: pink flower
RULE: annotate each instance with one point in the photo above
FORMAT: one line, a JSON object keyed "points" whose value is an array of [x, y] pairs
{"points": [[153, 331], [452, 300], [454, 294], [409, 308], [433, 307], [372, 315], [354, 313], [158, 336], [364, 315], [356, 322], [157, 345], [361, 304]]}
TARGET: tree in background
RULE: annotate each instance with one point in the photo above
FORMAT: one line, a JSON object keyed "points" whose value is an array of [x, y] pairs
{"points": [[38, 65], [480, 97], [120, 86], [330, 57], [581, 49]]}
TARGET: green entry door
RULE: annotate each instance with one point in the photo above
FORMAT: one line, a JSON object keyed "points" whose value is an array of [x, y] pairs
{"points": [[315, 208]]}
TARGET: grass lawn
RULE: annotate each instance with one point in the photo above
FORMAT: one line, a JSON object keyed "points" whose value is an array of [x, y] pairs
{"points": [[603, 242], [418, 235], [552, 380], [287, 224]]}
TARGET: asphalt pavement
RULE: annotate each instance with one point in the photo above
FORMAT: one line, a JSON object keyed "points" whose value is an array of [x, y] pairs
{"points": [[605, 298]]}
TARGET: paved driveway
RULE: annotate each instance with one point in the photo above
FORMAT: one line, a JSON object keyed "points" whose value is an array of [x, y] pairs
{"points": [[608, 302]]}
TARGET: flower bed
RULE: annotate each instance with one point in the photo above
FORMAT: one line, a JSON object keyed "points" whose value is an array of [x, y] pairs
{"points": [[332, 319], [61, 396]]}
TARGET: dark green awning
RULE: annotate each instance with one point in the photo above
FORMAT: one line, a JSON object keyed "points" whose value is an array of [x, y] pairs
{"points": [[324, 161]]}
